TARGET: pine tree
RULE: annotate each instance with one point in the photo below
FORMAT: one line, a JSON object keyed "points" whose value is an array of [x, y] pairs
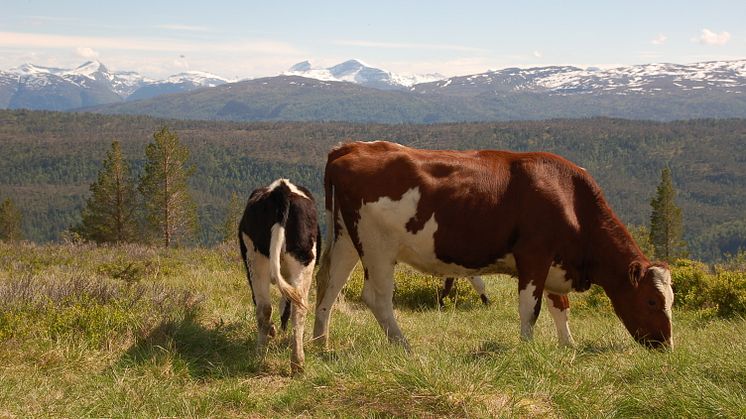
{"points": [[110, 213], [170, 212], [232, 218], [666, 228], [10, 222]]}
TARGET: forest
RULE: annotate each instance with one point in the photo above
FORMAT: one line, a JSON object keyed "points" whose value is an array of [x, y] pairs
{"points": [[49, 160]]}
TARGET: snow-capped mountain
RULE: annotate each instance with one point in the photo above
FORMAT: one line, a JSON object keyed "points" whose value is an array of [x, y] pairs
{"points": [[355, 71], [650, 79], [90, 84], [353, 91], [178, 83]]}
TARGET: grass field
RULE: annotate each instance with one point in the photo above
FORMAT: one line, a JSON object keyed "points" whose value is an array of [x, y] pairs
{"points": [[142, 332]]}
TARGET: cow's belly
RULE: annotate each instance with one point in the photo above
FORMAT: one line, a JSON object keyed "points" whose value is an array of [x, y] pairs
{"points": [[557, 281]]}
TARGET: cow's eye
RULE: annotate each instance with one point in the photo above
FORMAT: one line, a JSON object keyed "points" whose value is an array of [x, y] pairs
{"points": [[652, 303]]}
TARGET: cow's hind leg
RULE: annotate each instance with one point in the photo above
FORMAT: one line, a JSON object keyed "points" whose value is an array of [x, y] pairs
{"points": [[378, 295], [446, 291], [333, 274], [559, 307], [478, 284]]}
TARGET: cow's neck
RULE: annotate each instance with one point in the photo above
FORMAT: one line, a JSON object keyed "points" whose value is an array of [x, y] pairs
{"points": [[613, 251]]}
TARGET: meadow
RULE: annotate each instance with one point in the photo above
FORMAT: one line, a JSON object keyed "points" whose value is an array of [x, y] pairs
{"points": [[133, 331]]}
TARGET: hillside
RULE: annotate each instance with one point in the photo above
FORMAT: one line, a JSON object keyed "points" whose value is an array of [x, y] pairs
{"points": [[49, 159]]}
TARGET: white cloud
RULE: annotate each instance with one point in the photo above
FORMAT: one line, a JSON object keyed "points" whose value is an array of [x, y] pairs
{"points": [[708, 37], [659, 40], [87, 53], [53, 41], [538, 54]]}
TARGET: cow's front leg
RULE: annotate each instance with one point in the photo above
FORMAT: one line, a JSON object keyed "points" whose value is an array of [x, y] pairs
{"points": [[559, 308], [532, 274]]}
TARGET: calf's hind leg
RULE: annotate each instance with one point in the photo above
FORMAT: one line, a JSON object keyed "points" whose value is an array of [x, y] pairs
{"points": [[301, 277], [260, 285]]}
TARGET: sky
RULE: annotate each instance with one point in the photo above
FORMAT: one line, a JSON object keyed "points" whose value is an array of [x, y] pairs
{"points": [[248, 39]]}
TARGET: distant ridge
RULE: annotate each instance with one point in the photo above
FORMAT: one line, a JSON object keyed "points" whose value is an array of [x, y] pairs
{"points": [[356, 92]]}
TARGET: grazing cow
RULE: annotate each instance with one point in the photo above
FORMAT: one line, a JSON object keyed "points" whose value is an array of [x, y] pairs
{"points": [[476, 282], [279, 239], [536, 216]]}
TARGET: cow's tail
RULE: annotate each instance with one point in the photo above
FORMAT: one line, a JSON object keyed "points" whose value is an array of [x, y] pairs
{"points": [[276, 247], [322, 276]]}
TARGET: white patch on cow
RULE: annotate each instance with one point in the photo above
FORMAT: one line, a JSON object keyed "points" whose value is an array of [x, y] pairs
{"points": [[662, 281], [561, 322], [382, 230], [557, 281], [526, 306], [294, 189]]}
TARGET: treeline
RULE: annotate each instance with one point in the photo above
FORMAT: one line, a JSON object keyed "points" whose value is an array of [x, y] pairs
{"points": [[50, 159]]}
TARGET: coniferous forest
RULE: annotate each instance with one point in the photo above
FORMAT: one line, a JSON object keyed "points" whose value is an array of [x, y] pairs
{"points": [[49, 160]]}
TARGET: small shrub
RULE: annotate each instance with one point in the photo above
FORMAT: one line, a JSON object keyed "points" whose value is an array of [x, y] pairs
{"points": [[690, 282], [722, 292], [728, 293]]}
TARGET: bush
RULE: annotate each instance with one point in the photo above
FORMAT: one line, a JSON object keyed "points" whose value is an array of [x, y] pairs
{"points": [[722, 292]]}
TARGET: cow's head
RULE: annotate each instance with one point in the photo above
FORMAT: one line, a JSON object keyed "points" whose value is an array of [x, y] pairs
{"points": [[644, 304]]}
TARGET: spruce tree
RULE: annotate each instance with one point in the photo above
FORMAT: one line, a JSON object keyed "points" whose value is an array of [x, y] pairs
{"points": [[232, 218], [666, 227], [110, 213], [10, 222], [170, 212]]}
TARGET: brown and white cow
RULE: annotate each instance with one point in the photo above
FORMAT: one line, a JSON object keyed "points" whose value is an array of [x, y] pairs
{"points": [[279, 236], [476, 282], [464, 213]]}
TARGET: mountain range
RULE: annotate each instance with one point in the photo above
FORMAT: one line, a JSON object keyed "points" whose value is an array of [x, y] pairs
{"points": [[354, 91], [35, 87]]}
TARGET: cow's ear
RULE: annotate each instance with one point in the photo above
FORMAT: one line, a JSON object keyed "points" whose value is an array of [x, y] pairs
{"points": [[635, 273]]}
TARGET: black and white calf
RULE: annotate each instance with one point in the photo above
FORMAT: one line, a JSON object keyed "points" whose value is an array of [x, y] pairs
{"points": [[279, 239]]}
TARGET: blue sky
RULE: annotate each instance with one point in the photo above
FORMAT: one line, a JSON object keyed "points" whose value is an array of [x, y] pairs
{"points": [[252, 39]]}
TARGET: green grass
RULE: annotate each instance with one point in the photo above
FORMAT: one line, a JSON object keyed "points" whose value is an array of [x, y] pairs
{"points": [[134, 331]]}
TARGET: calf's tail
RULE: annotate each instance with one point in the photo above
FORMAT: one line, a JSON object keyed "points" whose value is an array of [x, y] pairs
{"points": [[276, 247]]}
